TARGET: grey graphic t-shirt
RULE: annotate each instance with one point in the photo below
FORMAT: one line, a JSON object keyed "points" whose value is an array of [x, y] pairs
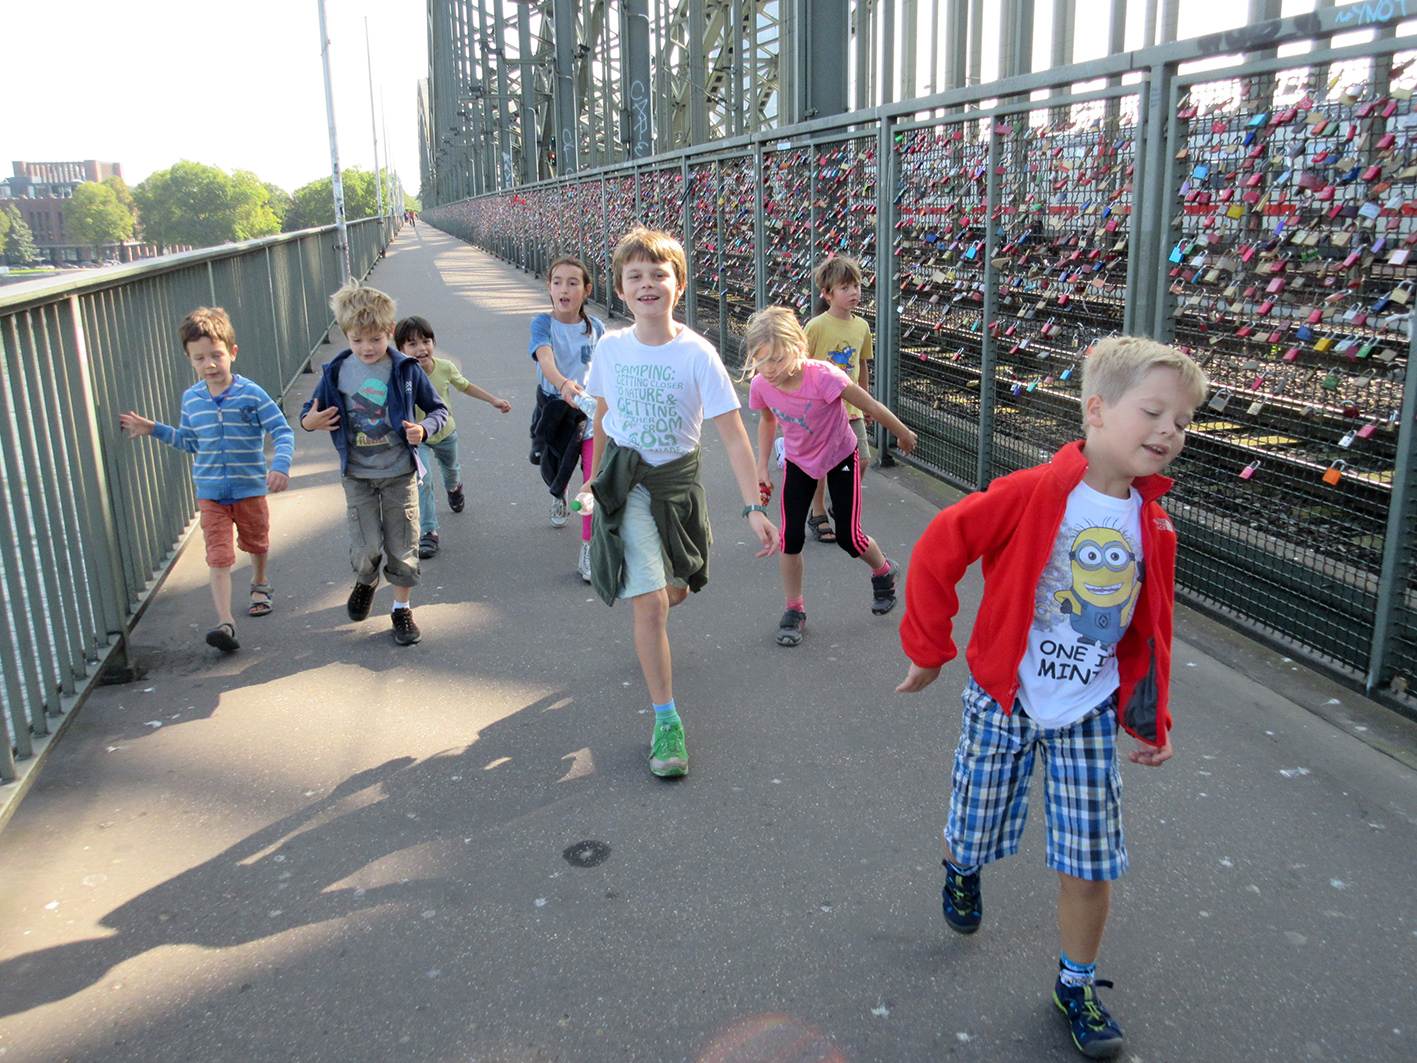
{"points": [[377, 449]]}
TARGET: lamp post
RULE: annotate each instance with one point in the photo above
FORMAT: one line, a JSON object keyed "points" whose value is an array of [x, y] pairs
{"points": [[336, 184]]}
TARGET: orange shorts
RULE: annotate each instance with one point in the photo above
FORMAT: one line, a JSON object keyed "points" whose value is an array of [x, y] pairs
{"points": [[252, 520]]}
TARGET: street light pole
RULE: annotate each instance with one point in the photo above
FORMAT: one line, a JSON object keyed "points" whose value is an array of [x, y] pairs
{"points": [[373, 122], [336, 184]]}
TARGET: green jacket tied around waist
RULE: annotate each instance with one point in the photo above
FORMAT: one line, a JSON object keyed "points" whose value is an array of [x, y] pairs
{"points": [[677, 503]]}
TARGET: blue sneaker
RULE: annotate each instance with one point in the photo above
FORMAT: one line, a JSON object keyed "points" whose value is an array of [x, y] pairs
{"points": [[963, 909], [1093, 1030]]}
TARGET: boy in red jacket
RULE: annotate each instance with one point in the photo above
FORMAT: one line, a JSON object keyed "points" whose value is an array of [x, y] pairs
{"points": [[1072, 639]]}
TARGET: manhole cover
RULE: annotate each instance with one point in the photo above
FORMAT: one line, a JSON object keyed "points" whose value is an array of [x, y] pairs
{"points": [[586, 854]]}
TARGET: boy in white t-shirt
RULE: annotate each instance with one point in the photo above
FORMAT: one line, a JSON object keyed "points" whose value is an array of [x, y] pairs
{"points": [[654, 385], [1072, 639]]}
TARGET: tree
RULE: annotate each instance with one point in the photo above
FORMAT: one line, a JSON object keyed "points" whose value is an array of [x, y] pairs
{"points": [[314, 203], [20, 248], [280, 201], [202, 206], [95, 217]]}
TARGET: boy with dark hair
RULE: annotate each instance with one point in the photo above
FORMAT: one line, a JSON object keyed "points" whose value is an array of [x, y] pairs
{"points": [[225, 419], [365, 399], [1072, 640]]}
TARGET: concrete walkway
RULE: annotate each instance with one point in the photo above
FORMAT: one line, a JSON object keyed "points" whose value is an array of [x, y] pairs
{"points": [[328, 848]]}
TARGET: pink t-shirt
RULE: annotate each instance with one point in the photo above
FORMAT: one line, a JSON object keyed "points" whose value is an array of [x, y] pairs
{"points": [[815, 430]]}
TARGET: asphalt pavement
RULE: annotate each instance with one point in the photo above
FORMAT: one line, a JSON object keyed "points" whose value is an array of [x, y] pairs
{"points": [[326, 847]]}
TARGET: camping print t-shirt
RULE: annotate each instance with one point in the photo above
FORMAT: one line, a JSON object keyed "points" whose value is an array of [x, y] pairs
{"points": [[1084, 603]]}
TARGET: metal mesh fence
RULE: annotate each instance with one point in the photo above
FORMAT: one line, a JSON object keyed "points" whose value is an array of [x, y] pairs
{"points": [[1263, 219]]}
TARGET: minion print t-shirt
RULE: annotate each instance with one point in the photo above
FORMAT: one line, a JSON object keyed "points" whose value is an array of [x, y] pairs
{"points": [[1084, 603]]}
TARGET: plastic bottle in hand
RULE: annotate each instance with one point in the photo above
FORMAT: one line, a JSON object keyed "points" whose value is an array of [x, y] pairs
{"points": [[583, 503]]}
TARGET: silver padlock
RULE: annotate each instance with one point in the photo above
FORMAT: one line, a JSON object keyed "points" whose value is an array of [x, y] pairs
{"points": [[1347, 440], [1219, 400]]}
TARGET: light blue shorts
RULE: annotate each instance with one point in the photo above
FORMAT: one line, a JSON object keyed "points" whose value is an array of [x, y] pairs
{"points": [[645, 563]]}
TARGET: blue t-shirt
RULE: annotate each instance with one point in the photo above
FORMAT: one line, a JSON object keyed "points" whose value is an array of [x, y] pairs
{"points": [[570, 344]]}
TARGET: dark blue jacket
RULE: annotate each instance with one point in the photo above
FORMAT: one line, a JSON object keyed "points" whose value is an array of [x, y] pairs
{"points": [[409, 386]]}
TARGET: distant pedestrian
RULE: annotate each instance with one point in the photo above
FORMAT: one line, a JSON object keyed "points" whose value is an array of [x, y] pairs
{"points": [[1071, 641], [413, 336], [224, 423], [365, 399], [561, 344], [808, 399]]}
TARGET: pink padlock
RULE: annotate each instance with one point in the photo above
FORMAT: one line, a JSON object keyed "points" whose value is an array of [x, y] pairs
{"points": [[1249, 470]]}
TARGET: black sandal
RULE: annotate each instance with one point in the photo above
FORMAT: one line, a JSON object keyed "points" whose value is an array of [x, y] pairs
{"points": [[821, 529], [223, 637]]}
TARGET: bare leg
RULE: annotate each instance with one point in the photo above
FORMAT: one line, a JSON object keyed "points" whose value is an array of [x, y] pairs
{"points": [[873, 555], [791, 565], [402, 594], [258, 568], [652, 641], [819, 499], [221, 595], [1082, 916]]}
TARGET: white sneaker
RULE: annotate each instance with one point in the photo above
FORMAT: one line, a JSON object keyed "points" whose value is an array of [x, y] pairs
{"points": [[583, 566], [558, 512]]}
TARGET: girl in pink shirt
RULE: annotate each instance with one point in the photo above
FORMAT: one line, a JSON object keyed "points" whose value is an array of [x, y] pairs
{"points": [[805, 396]]}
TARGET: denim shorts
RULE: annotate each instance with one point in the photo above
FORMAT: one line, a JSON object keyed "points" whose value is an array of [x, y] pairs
{"points": [[1082, 788]]}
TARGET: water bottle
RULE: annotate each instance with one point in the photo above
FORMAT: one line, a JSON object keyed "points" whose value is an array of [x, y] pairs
{"points": [[586, 404], [583, 503]]}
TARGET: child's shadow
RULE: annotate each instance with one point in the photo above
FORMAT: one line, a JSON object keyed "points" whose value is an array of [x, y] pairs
{"points": [[287, 874]]}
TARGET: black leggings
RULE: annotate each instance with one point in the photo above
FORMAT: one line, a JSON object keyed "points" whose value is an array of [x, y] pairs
{"points": [[844, 486]]}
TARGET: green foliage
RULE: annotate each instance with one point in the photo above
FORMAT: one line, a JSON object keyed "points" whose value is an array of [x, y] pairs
{"points": [[124, 194], [314, 203], [4, 230], [95, 216], [280, 201], [202, 206], [20, 248]]}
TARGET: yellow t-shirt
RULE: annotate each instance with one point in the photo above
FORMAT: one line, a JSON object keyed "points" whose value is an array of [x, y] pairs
{"points": [[846, 344]]}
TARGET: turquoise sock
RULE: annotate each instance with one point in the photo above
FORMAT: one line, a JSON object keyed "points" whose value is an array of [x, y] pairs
{"points": [[666, 713], [1074, 973]]}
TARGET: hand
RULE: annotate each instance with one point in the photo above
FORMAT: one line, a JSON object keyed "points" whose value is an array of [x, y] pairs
{"points": [[135, 426], [766, 533], [917, 679], [907, 442], [320, 418], [1149, 755], [576, 389], [764, 487], [503, 405], [276, 482], [414, 433]]}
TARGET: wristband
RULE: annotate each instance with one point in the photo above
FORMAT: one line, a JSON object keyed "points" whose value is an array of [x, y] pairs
{"points": [[758, 509]]}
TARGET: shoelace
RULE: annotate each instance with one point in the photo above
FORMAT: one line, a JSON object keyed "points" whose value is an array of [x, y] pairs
{"points": [[1090, 1008], [959, 894]]}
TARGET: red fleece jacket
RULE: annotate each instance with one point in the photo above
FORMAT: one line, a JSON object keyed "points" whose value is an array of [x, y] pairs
{"points": [[1013, 526]]}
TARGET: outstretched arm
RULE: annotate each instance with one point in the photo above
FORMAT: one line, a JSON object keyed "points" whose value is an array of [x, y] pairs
{"points": [[861, 398], [487, 397], [740, 456], [135, 425]]}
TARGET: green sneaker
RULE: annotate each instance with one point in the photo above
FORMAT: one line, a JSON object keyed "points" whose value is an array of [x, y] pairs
{"points": [[667, 755]]}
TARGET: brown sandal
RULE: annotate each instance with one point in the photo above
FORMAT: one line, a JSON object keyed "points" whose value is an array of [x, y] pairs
{"points": [[821, 529]]}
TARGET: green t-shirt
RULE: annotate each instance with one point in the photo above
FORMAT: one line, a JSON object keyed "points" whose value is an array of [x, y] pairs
{"points": [[846, 344], [444, 375]]}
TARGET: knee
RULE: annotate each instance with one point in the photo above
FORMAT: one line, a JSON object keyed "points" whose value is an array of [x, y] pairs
{"points": [[1085, 890], [652, 609], [674, 595]]}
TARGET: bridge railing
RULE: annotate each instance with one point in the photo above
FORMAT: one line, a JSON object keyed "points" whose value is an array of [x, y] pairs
{"points": [[1263, 216], [90, 521]]}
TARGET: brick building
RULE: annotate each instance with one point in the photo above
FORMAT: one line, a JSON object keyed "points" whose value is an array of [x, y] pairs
{"points": [[39, 191]]}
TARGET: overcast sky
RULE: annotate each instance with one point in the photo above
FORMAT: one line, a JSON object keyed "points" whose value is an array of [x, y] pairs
{"points": [[240, 86]]}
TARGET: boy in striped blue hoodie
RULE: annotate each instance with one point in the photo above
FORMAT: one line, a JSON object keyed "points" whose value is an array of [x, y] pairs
{"points": [[225, 421]]}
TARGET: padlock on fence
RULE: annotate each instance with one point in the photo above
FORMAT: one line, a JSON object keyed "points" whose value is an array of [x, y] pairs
{"points": [[1335, 472], [1249, 470], [1219, 400], [1347, 440]]}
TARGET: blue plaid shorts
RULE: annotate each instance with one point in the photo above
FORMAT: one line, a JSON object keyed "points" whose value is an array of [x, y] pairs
{"points": [[1082, 789]]}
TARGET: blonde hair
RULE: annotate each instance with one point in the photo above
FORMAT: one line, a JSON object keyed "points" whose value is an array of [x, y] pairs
{"points": [[652, 246], [360, 310], [210, 321], [836, 271], [1117, 364], [770, 331]]}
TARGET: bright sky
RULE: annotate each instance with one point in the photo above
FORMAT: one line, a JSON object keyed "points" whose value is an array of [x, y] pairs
{"points": [[240, 86], [236, 85]]}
